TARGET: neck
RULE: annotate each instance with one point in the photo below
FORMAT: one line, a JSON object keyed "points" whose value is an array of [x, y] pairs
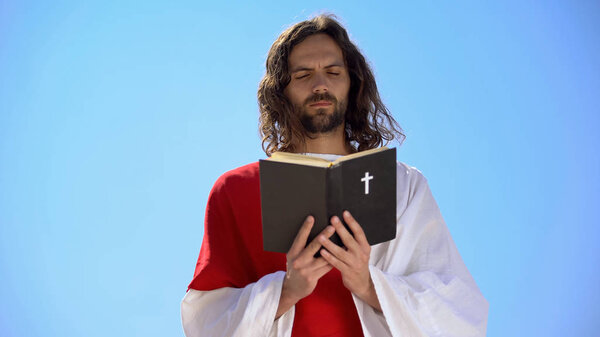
{"points": [[332, 142]]}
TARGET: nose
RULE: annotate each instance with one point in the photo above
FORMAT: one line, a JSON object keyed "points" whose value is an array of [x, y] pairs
{"points": [[320, 84]]}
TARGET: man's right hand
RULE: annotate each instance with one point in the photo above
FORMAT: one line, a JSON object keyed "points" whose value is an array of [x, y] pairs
{"points": [[303, 269]]}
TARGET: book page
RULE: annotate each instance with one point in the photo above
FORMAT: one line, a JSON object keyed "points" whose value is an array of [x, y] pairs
{"points": [[360, 154], [295, 158]]}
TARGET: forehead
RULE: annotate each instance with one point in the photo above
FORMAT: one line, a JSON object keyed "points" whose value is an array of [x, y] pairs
{"points": [[315, 50]]}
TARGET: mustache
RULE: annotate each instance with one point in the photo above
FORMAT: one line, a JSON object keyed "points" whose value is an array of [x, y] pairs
{"points": [[320, 97]]}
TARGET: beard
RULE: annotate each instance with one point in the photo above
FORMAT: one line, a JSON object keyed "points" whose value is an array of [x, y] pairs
{"points": [[321, 121]]}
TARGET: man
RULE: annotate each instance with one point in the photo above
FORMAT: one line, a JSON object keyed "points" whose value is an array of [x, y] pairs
{"points": [[319, 97]]}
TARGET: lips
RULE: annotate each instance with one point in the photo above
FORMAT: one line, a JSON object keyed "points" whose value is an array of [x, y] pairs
{"points": [[321, 104]]}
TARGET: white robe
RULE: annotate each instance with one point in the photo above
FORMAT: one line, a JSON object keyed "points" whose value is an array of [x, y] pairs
{"points": [[422, 284]]}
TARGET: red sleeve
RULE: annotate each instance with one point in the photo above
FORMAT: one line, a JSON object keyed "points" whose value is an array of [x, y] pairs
{"points": [[231, 254]]}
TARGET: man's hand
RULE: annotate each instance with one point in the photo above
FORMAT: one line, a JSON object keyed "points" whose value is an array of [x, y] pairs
{"points": [[352, 262], [303, 269]]}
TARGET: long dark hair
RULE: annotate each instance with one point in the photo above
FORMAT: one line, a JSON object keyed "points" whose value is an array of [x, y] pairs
{"points": [[368, 123]]}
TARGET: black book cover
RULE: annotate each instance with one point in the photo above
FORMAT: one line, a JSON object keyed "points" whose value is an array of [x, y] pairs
{"points": [[363, 183]]}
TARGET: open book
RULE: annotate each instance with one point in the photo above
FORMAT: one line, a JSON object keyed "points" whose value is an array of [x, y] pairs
{"points": [[293, 186]]}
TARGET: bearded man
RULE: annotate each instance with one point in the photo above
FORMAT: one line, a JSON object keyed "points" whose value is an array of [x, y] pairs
{"points": [[319, 97]]}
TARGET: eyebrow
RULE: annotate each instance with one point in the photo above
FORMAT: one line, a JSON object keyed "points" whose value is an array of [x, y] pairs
{"points": [[302, 68]]}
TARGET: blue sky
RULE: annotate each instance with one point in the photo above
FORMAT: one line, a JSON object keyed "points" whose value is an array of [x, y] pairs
{"points": [[117, 117]]}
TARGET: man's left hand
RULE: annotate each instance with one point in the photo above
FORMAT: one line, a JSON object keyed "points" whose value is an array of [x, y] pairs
{"points": [[353, 261]]}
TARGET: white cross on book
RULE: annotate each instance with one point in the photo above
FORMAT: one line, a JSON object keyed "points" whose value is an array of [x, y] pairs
{"points": [[366, 181]]}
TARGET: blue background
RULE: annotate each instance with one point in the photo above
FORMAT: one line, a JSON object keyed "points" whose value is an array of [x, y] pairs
{"points": [[117, 117]]}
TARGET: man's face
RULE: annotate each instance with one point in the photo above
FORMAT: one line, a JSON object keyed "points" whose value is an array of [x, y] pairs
{"points": [[319, 83]]}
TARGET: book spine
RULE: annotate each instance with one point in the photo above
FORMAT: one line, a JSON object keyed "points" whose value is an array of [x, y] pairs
{"points": [[334, 190]]}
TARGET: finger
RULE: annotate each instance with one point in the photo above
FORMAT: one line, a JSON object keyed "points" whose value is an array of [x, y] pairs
{"points": [[337, 251], [323, 270], [359, 234], [314, 246], [302, 236], [346, 237], [318, 263], [334, 261]]}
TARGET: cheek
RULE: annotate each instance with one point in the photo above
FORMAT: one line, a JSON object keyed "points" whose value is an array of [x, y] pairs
{"points": [[347, 84], [294, 94], [343, 84], [344, 90], [287, 93]]}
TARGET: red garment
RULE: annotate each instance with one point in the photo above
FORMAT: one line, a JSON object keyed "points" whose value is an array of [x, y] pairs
{"points": [[232, 256]]}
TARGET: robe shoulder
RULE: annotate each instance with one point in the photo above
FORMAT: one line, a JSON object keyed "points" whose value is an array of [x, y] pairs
{"points": [[409, 183], [240, 177], [409, 175], [237, 192]]}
